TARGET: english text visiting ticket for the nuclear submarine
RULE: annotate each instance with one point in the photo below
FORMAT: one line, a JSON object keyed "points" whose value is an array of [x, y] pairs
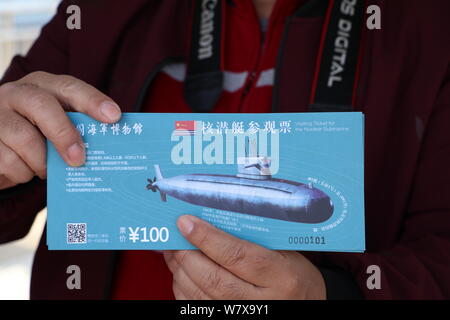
{"points": [[292, 181]]}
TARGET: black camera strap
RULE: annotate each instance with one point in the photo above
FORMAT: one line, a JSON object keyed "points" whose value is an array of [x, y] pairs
{"points": [[337, 67], [204, 78], [338, 60]]}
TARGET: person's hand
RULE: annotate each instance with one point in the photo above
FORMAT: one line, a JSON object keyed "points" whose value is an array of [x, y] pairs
{"points": [[33, 108], [226, 267]]}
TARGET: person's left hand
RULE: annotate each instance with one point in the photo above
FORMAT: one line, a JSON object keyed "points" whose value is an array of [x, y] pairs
{"points": [[226, 267]]}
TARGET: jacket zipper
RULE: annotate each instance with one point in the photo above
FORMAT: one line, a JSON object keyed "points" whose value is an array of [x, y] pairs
{"points": [[256, 69]]}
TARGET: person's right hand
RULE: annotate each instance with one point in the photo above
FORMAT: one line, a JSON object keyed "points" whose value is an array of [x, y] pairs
{"points": [[33, 108]]}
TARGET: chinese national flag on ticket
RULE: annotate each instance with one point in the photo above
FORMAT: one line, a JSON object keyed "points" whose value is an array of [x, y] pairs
{"points": [[185, 127]]}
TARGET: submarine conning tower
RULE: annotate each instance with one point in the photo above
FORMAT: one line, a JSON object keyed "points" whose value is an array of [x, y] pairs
{"points": [[254, 168]]}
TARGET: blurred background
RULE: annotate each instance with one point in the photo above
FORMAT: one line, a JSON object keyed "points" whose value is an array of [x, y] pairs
{"points": [[20, 24]]}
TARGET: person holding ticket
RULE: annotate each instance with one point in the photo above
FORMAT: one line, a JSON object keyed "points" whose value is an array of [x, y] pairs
{"points": [[103, 58]]}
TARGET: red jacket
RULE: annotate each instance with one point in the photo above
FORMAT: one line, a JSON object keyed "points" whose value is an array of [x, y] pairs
{"points": [[404, 91]]}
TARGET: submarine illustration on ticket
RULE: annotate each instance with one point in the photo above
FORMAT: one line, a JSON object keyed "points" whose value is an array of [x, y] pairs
{"points": [[252, 191]]}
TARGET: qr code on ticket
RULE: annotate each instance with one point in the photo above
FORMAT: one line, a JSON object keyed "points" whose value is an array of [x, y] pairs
{"points": [[76, 233]]}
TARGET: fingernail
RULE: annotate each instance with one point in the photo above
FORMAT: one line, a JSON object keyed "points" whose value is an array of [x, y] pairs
{"points": [[110, 110], [75, 153], [185, 225]]}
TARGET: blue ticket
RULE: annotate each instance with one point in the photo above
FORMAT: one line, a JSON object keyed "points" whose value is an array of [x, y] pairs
{"points": [[290, 181]]}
